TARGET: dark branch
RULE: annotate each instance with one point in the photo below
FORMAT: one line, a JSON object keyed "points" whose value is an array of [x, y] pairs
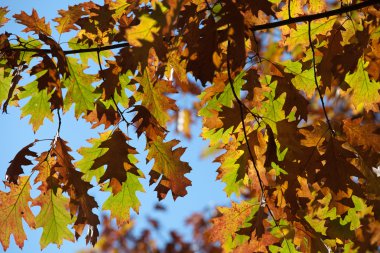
{"points": [[76, 51], [242, 119], [307, 18]]}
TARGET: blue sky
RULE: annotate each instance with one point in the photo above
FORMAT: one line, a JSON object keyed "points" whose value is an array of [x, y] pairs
{"points": [[16, 133]]}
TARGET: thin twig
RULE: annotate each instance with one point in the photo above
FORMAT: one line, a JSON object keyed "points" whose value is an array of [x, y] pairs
{"points": [[241, 106], [67, 52], [316, 81], [266, 204], [112, 96], [59, 127]]}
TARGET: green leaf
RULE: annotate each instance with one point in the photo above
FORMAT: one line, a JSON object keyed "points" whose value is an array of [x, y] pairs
{"points": [[217, 136], [303, 80], [365, 92], [79, 88], [75, 45], [271, 109], [5, 84], [89, 154], [120, 203], [31, 43], [53, 218], [143, 31], [228, 172], [356, 213], [38, 107], [287, 246], [300, 35], [278, 169], [227, 97], [317, 224], [152, 94]]}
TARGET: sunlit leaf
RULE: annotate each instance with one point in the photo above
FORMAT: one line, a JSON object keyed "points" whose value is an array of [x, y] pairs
{"points": [[80, 90], [53, 218], [14, 207]]}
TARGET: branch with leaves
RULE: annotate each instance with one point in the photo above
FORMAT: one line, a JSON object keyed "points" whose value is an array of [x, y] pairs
{"points": [[267, 92]]}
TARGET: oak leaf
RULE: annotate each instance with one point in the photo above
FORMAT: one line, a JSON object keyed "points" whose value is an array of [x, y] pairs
{"points": [[168, 169], [337, 170], [81, 203], [48, 78], [57, 51], [233, 18], [152, 93], [356, 213], [365, 92], [38, 106], [5, 84], [33, 23], [230, 171], [146, 123], [14, 206], [120, 203], [363, 135], [15, 169], [145, 30], [53, 218], [119, 159], [3, 19], [68, 18], [89, 154], [230, 220], [79, 89], [201, 50], [102, 115]]}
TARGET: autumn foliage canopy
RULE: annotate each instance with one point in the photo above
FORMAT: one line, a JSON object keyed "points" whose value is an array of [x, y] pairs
{"points": [[288, 96]]}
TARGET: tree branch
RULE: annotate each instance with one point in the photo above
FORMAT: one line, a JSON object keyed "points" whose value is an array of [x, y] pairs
{"points": [[242, 119], [67, 52], [307, 18]]}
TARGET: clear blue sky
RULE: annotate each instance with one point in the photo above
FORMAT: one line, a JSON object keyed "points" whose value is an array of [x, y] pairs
{"points": [[16, 133]]}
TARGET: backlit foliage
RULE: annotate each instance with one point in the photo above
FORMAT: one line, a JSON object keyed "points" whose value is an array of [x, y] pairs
{"points": [[288, 94]]}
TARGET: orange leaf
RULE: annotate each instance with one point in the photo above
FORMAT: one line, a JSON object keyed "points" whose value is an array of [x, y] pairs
{"points": [[66, 22], [13, 208], [168, 169], [33, 23]]}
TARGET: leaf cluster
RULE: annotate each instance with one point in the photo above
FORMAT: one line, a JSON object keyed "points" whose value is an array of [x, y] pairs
{"points": [[291, 109]]}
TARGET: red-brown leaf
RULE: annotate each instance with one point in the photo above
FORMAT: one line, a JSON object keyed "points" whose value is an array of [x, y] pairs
{"points": [[15, 169]]}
